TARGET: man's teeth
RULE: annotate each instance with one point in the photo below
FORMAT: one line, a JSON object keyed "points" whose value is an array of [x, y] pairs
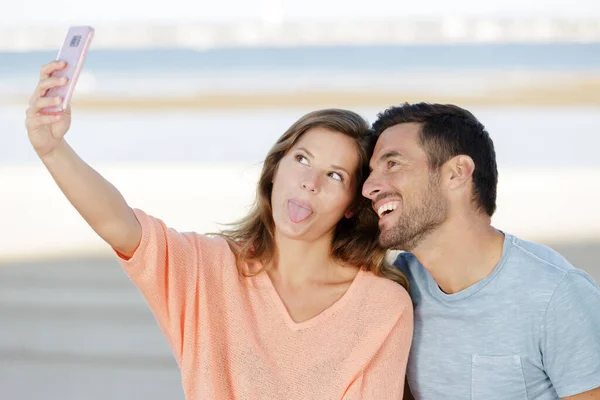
{"points": [[391, 206]]}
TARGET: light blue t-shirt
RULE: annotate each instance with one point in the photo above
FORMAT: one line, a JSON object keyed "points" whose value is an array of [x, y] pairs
{"points": [[530, 330]]}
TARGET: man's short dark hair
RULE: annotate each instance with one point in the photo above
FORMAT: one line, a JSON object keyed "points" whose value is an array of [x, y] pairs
{"points": [[447, 131]]}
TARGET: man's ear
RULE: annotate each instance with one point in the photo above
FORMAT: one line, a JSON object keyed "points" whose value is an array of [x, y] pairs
{"points": [[459, 170]]}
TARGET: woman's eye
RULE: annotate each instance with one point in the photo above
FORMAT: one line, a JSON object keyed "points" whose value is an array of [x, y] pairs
{"points": [[301, 159], [336, 176]]}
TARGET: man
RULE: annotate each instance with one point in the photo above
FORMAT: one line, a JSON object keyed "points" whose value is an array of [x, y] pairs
{"points": [[496, 317]]}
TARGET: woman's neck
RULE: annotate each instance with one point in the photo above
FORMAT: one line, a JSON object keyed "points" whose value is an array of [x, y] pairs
{"points": [[298, 262]]}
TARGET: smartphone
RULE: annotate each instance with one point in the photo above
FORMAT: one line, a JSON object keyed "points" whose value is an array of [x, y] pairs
{"points": [[73, 51]]}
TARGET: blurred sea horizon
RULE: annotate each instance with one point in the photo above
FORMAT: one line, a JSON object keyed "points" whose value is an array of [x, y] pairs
{"points": [[500, 73]]}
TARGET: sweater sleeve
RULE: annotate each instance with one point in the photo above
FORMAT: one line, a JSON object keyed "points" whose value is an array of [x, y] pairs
{"points": [[167, 269]]}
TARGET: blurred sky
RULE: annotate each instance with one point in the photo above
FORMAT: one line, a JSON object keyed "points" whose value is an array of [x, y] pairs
{"points": [[44, 12]]}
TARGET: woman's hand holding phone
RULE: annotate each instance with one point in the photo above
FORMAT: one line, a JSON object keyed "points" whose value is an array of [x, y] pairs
{"points": [[49, 113], [46, 130]]}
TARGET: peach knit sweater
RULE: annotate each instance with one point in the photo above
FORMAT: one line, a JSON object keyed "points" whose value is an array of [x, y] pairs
{"points": [[233, 338]]}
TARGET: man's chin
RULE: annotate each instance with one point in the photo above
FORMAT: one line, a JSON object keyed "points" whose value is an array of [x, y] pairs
{"points": [[389, 242]]}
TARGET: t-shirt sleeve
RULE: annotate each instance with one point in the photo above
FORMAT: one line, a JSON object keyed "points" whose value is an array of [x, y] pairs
{"points": [[384, 377], [570, 337], [168, 267]]}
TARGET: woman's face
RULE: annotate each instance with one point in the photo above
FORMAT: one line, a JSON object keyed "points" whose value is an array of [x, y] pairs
{"points": [[314, 185]]}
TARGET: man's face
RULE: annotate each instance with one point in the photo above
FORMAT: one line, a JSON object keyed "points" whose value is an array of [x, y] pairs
{"points": [[405, 193]]}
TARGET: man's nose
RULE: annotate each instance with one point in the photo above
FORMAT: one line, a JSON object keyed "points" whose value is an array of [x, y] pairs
{"points": [[371, 187]]}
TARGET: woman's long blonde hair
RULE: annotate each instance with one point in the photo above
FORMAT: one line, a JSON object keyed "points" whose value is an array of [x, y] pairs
{"points": [[355, 239]]}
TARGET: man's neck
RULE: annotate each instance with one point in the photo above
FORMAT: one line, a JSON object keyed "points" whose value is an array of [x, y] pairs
{"points": [[461, 252]]}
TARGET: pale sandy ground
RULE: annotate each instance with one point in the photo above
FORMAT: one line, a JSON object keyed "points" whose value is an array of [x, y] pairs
{"points": [[507, 88], [78, 329], [557, 205], [74, 327]]}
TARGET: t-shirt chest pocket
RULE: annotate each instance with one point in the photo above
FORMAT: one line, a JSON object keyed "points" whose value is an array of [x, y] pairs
{"points": [[497, 377]]}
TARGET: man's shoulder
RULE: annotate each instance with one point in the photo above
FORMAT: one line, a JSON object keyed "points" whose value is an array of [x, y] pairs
{"points": [[417, 275], [542, 273], [541, 254], [537, 262], [525, 262], [405, 261]]}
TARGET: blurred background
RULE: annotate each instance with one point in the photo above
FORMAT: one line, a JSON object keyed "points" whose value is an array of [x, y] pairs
{"points": [[179, 102]]}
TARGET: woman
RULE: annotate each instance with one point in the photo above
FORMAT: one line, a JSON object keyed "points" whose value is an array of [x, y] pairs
{"points": [[294, 302]]}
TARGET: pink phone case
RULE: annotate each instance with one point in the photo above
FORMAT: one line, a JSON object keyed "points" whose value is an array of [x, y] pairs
{"points": [[73, 51]]}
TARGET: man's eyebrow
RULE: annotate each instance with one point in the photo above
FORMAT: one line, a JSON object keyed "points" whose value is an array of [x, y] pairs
{"points": [[388, 155], [391, 154]]}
